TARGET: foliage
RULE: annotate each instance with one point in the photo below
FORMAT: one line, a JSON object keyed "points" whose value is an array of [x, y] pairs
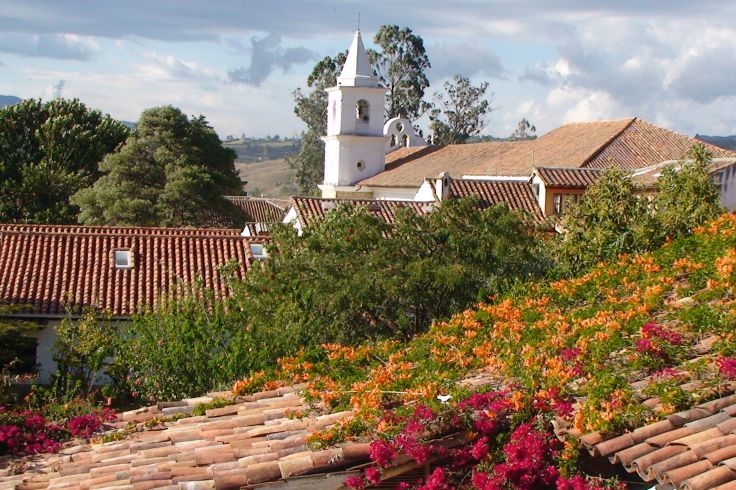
{"points": [[184, 348], [687, 195], [82, 348], [610, 219], [524, 131], [202, 408], [30, 432], [542, 347], [16, 346], [401, 64], [172, 171], [49, 151], [312, 110], [352, 277], [460, 113]]}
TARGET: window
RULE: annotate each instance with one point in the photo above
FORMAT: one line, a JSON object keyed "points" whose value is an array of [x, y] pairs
{"points": [[258, 251], [399, 127], [360, 164], [405, 140], [394, 141], [122, 259], [361, 110]]}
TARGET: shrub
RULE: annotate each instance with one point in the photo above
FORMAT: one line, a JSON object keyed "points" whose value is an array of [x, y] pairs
{"points": [[82, 349], [184, 348]]}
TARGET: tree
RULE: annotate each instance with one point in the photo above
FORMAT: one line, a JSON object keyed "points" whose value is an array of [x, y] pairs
{"points": [[687, 195], [609, 220], [401, 64], [308, 163], [49, 151], [185, 348], [524, 131], [172, 171], [460, 113], [353, 277]]}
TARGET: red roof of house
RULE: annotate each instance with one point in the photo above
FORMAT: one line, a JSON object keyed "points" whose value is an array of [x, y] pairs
{"points": [[260, 210], [568, 178], [54, 273], [309, 209], [624, 143], [518, 196], [119, 230]]}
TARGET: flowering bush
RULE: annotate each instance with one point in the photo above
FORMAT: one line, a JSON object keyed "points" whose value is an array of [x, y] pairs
{"points": [[544, 346], [29, 432]]}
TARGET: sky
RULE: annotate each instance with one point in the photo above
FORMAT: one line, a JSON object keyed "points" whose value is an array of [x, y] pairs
{"points": [[670, 62]]}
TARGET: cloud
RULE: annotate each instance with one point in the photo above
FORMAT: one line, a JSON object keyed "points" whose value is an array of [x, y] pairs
{"points": [[464, 59], [170, 67], [266, 55], [59, 46], [705, 75]]}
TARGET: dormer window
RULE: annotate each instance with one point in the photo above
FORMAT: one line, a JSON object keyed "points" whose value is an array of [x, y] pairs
{"points": [[361, 110], [258, 251], [123, 259]]}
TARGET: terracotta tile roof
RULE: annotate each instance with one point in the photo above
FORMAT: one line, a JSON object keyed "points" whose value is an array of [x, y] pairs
{"points": [[260, 210], [55, 272], [625, 143], [516, 195], [256, 440], [309, 209], [570, 145], [649, 176], [642, 144], [119, 230], [568, 178], [692, 449]]}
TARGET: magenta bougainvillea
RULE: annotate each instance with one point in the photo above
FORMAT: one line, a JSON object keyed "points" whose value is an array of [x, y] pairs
{"points": [[28, 432]]}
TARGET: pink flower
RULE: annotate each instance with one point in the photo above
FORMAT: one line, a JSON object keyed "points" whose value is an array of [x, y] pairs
{"points": [[373, 475], [355, 482]]}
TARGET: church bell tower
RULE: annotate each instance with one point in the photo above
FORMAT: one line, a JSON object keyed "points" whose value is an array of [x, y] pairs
{"points": [[355, 143]]}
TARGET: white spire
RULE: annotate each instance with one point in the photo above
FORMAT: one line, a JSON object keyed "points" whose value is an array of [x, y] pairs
{"points": [[357, 71]]}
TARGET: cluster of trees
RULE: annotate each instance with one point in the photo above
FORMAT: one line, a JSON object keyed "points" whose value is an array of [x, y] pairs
{"points": [[61, 162], [400, 63], [352, 278], [613, 218]]}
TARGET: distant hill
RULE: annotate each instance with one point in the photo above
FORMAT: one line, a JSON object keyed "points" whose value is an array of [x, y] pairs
{"points": [[725, 142], [129, 124], [252, 150], [6, 100]]}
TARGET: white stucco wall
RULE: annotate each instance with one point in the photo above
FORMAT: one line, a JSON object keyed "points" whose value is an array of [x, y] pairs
{"points": [[726, 178]]}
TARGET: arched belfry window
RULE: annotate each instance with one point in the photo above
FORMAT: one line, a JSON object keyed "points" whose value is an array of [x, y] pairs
{"points": [[405, 140], [361, 110]]}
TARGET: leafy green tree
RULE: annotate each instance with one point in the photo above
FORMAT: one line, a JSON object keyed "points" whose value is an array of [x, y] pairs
{"points": [[524, 131], [172, 171], [352, 277], [687, 196], [610, 219], [49, 151], [82, 349], [460, 113], [401, 65], [308, 163], [185, 348]]}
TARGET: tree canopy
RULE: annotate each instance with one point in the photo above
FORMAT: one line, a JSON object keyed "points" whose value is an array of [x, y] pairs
{"points": [[49, 151], [401, 65], [614, 217], [460, 112], [172, 171], [353, 277]]}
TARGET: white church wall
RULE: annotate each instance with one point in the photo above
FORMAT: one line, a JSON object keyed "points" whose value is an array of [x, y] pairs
{"points": [[400, 133], [726, 179]]}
